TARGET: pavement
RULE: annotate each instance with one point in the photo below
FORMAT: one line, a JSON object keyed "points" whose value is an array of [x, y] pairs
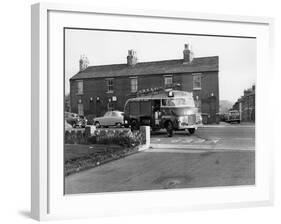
{"points": [[211, 157]]}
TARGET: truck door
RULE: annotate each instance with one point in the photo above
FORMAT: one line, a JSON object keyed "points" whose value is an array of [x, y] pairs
{"points": [[156, 112], [145, 112]]}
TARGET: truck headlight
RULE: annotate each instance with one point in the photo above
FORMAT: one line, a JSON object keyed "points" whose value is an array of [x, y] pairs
{"points": [[198, 118], [180, 119]]}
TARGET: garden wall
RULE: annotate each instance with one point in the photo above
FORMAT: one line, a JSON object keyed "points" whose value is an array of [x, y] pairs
{"points": [[119, 136]]}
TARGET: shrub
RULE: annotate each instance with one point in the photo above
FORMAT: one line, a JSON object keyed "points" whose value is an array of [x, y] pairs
{"points": [[123, 137]]}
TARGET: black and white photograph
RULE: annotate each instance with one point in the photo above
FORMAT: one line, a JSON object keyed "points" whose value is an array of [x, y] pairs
{"points": [[157, 111]]}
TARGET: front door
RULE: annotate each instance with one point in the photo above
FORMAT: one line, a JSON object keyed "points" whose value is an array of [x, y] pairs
{"points": [[80, 109]]}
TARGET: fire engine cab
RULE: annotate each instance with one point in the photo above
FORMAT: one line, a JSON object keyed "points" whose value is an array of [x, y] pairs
{"points": [[163, 109]]}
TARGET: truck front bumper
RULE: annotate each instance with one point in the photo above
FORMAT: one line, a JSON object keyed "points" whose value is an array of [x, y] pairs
{"points": [[183, 126]]}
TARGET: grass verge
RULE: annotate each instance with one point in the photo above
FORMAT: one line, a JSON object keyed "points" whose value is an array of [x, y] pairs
{"points": [[80, 157]]}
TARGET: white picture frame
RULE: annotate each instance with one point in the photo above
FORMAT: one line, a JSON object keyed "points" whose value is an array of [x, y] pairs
{"points": [[48, 201]]}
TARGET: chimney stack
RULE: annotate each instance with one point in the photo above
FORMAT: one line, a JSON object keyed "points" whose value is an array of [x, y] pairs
{"points": [[83, 63], [132, 58], [187, 54]]}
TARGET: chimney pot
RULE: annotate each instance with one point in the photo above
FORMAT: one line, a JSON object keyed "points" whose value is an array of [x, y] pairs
{"points": [[187, 54], [83, 63], [132, 58]]}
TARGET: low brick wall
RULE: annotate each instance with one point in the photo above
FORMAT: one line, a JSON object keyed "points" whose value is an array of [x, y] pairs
{"points": [[75, 137], [120, 136]]}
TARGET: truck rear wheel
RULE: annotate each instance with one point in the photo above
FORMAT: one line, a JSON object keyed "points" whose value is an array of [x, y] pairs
{"points": [[191, 130], [134, 125], [170, 129]]}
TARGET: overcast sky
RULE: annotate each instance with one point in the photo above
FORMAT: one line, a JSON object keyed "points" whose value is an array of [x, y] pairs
{"points": [[237, 56]]}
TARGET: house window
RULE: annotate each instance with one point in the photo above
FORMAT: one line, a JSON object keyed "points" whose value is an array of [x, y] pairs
{"points": [[80, 87], [168, 81], [197, 81], [134, 85], [109, 84]]}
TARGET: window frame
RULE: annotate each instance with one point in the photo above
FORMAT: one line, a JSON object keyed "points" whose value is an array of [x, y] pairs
{"points": [[166, 77], [108, 90], [136, 84], [194, 76], [80, 88], [108, 112]]}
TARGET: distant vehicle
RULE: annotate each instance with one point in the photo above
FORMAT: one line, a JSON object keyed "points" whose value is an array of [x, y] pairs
{"points": [[110, 118], [90, 119], [82, 121], [75, 120], [67, 126], [232, 116], [222, 117], [164, 109], [71, 118]]}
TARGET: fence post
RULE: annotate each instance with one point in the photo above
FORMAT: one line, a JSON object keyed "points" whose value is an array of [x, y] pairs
{"points": [[145, 132]]}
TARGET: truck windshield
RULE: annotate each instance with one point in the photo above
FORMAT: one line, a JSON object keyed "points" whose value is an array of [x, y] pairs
{"points": [[234, 113], [178, 102]]}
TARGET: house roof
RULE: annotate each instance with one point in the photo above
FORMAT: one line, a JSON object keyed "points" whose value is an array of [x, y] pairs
{"points": [[147, 68]]}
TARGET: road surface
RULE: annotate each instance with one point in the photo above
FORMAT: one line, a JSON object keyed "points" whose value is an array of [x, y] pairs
{"points": [[214, 156]]}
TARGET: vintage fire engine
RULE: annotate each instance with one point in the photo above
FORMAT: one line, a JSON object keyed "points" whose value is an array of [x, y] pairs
{"points": [[163, 109]]}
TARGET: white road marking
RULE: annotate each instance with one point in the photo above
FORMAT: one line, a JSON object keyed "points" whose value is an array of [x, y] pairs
{"points": [[159, 150], [183, 147], [215, 141], [175, 150], [175, 140], [187, 141], [199, 141]]}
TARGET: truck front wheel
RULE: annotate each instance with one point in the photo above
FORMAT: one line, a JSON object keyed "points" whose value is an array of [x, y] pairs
{"points": [[170, 129]]}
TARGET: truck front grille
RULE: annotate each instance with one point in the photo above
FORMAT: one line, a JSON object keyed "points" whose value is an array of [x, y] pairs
{"points": [[191, 119]]}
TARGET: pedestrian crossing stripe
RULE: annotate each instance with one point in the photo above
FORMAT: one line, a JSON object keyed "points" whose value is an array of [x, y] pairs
{"points": [[199, 141], [188, 141], [175, 140], [191, 141]]}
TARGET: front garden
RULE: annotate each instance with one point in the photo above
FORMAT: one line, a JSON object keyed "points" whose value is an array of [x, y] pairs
{"points": [[86, 149]]}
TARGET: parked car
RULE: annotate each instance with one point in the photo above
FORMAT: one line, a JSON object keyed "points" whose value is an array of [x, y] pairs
{"points": [[82, 121], [233, 116], [110, 118], [75, 120], [90, 119], [71, 118]]}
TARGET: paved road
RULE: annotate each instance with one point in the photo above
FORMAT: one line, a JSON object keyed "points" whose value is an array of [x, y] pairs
{"points": [[214, 156], [232, 137]]}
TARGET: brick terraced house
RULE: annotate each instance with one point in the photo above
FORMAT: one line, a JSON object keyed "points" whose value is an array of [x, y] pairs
{"points": [[97, 89], [246, 105]]}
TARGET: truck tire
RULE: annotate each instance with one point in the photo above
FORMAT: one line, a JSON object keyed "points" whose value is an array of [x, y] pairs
{"points": [[170, 129], [191, 130], [134, 125]]}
